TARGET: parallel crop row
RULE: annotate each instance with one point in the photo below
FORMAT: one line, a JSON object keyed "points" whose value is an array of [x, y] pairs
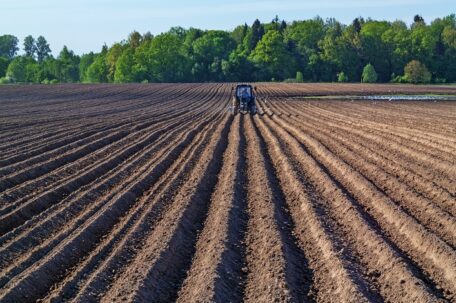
{"points": [[156, 193]]}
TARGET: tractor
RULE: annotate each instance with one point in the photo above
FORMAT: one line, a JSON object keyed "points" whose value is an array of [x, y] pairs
{"points": [[244, 99]]}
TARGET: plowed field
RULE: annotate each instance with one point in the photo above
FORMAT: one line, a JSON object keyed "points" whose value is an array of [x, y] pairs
{"points": [[156, 193]]}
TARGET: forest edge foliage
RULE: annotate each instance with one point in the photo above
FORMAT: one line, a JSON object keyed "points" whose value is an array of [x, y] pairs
{"points": [[314, 50]]}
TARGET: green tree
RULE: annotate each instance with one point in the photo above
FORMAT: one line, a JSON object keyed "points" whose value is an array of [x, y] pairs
{"points": [[208, 53], [416, 72], [239, 33], [166, 60], [134, 39], [43, 50], [375, 50], [306, 34], [369, 74], [357, 25], [397, 40], [125, 67], [3, 66], [29, 46], [283, 26], [23, 69], [449, 37], [418, 19], [8, 46], [16, 70], [48, 69], [318, 49], [67, 66], [272, 58], [97, 72], [340, 51], [238, 67], [302, 38], [341, 77], [423, 43], [84, 64], [112, 55], [254, 35], [449, 42]]}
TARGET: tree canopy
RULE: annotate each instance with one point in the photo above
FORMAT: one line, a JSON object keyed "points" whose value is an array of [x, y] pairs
{"points": [[416, 72], [8, 46], [369, 74], [312, 50]]}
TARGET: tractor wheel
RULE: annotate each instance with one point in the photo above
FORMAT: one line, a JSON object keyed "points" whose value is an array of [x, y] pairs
{"points": [[234, 107]]}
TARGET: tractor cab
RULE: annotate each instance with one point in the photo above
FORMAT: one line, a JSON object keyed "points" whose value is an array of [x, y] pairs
{"points": [[244, 91], [244, 99]]}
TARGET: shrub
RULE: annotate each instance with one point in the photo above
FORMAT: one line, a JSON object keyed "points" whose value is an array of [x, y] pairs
{"points": [[54, 81], [399, 79], [299, 77], [416, 72], [6, 80], [369, 74], [341, 77]]}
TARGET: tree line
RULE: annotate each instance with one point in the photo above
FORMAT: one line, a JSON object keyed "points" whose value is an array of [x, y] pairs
{"points": [[313, 50]]}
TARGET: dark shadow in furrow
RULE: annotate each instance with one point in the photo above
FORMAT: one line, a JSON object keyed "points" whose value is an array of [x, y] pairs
{"points": [[74, 155], [230, 283], [39, 281], [60, 141], [12, 194], [45, 200], [360, 148], [181, 248], [117, 111], [339, 245], [425, 225], [119, 261], [387, 193], [338, 239], [42, 233], [297, 271], [18, 195], [38, 158], [373, 224]]}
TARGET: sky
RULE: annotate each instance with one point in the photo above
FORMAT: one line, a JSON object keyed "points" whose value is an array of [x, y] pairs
{"points": [[85, 25]]}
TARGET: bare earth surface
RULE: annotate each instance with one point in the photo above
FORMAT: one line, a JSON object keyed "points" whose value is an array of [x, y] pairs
{"points": [[156, 193]]}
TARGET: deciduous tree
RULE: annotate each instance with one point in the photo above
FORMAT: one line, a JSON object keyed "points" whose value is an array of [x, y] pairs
{"points": [[8, 46], [369, 74], [43, 50], [416, 72], [29, 46]]}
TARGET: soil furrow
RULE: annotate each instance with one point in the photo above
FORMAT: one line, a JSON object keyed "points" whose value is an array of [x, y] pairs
{"points": [[339, 281], [277, 268], [365, 241], [93, 276], [217, 272], [68, 253], [440, 222], [150, 278], [436, 258]]}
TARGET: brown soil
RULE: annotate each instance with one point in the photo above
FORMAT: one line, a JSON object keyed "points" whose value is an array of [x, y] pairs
{"points": [[156, 193]]}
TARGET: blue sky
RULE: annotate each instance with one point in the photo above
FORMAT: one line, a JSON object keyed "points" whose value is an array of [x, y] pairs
{"points": [[84, 25]]}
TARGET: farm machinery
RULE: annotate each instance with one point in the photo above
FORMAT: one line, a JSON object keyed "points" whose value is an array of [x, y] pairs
{"points": [[244, 99]]}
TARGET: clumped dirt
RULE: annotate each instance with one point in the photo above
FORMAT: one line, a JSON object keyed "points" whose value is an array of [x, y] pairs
{"points": [[157, 193]]}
